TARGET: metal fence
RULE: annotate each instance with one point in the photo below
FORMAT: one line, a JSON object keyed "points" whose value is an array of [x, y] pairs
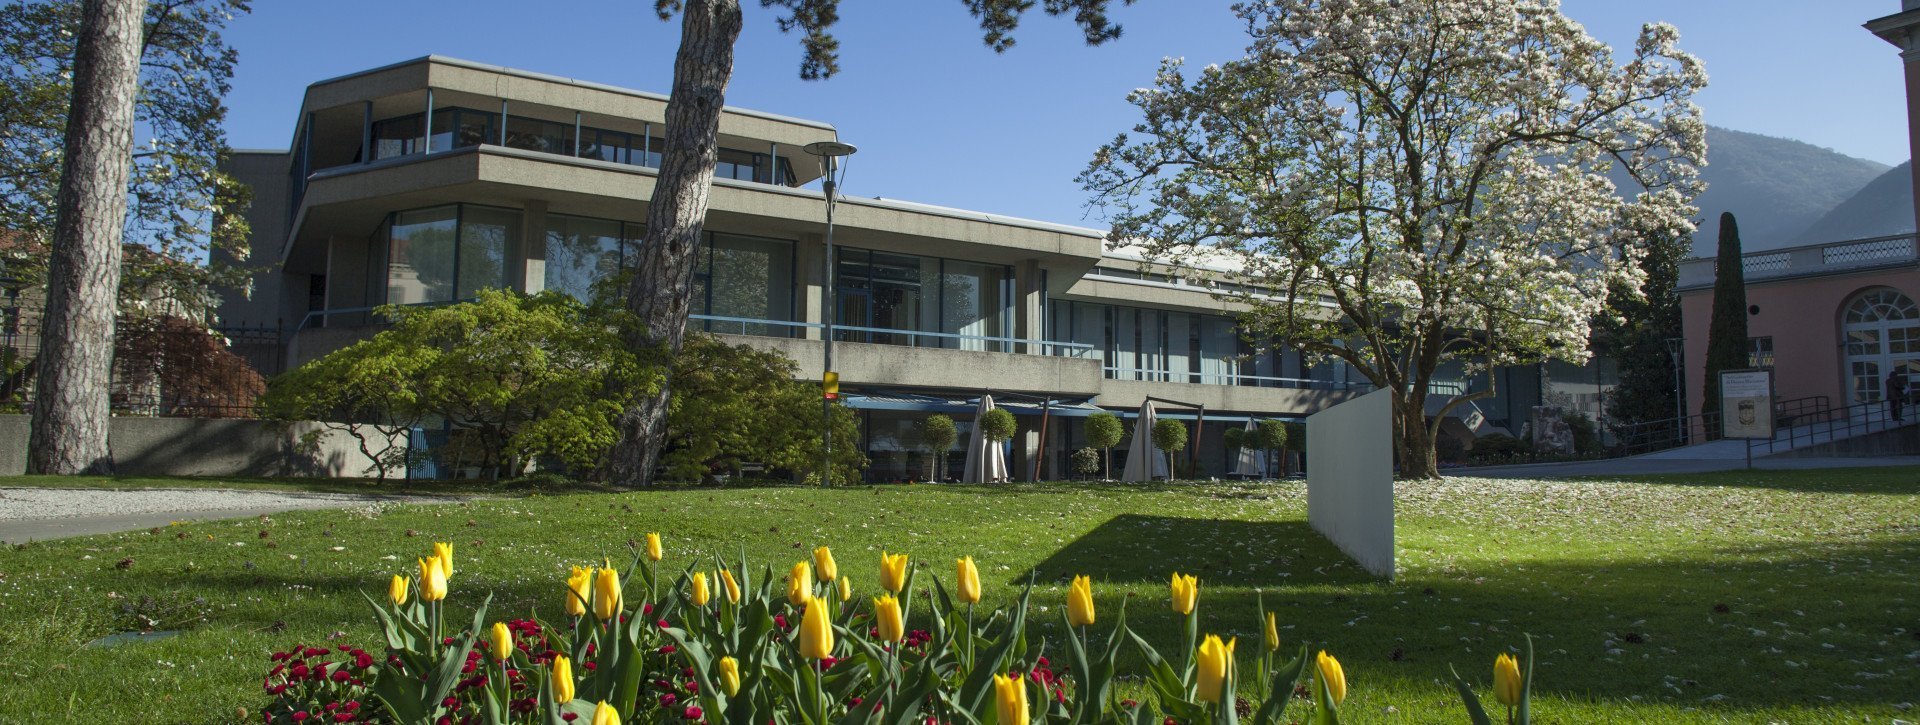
{"points": [[167, 367]]}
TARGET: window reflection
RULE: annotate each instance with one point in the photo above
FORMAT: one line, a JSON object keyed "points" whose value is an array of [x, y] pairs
{"points": [[457, 127]]}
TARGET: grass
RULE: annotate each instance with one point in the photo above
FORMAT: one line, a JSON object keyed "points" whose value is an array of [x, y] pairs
{"points": [[1736, 597]]}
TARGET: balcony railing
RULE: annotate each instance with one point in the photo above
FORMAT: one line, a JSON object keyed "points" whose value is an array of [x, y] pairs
{"points": [[1810, 259], [1253, 381]]}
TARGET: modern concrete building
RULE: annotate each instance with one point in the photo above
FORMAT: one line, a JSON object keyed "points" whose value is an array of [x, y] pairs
{"points": [[422, 181]]}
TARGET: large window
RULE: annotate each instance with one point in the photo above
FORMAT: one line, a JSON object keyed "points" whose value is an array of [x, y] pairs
{"points": [[420, 256], [1882, 338], [444, 253], [489, 237], [579, 252], [751, 279], [1134, 343], [884, 291]]}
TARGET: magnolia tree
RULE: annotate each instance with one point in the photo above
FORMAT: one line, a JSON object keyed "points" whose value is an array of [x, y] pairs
{"points": [[1402, 184]]}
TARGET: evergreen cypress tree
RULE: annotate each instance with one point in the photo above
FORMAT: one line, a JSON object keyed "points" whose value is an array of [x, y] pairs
{"points": [[1727, 331]]}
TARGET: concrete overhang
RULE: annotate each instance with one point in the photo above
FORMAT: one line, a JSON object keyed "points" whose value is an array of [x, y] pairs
{"points": [[339, 106], [352, 200], [1224, 399], [863, 364]]}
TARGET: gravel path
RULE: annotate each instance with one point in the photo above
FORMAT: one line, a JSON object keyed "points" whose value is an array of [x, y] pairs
{"points": [[48, 513]]}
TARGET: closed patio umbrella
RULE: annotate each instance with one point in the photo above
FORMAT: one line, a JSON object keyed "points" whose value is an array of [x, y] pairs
{"points": [[1252, 461], [1144, 462], [986, 462]]}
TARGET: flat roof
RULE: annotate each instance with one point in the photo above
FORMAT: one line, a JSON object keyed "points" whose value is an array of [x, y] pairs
{"points": [[550, 78]]}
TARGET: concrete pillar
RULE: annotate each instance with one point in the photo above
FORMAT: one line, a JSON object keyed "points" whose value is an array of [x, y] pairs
{"points": [[809, 280], [1903, 31], [533, 248], [1029, 309]]}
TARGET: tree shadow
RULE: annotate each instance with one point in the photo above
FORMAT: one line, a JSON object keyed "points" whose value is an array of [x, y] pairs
{"points": [[1147, 549]]}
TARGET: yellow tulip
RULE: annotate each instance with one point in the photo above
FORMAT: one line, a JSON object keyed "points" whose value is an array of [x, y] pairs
{"points": [[433, 580], [397, 590], [730, 675], [502, 642], [823, 566], [968, 577], [1273, 634], [444, 551], [1080, 602], [561, 676], [816, 630], [1186, 592], [1213, 663], [886, 618], [604, 714], [1506, 680], [1332, 676], [733, 587], [579, 591], [697, 589], [893, 571], [1010, 699], [653, 547], [606, 594], [799, 584], [846, 589]]}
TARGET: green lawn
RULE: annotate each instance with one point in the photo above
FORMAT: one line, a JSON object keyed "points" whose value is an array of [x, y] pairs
{"points": [[1739, 597]]}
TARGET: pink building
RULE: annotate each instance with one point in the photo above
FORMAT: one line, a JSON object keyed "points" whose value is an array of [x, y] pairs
{"points": [[1834, 319], [1831, 319]]}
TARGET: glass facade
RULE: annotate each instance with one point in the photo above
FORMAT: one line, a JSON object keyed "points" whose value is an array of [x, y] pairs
{"points": [[581, 251], [1134, 343], [893, 294], [456, 127], [748, 278], [420, 255]]}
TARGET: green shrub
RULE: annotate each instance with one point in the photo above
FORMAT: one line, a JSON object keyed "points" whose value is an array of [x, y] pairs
{"points": [[1085, 461], [998, 425]]}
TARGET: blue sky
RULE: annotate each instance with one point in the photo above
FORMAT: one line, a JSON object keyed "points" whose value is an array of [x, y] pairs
{"points": [[942, 120]]}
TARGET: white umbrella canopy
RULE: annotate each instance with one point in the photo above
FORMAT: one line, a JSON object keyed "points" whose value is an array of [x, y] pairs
{"points": [[1252, 461], [1144, 462], [986, 462]]}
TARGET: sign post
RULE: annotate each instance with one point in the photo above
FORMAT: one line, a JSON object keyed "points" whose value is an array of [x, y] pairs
{"points": [[1746, 406], [830, 385]]}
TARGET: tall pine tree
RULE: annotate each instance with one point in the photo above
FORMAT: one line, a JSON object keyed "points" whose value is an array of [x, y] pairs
{"points": [[1635, 331], [1727, 346], [658, 293]]}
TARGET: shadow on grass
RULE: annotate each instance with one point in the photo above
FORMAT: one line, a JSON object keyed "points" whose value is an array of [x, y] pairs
{"points": [[1888, 480], [1137, 548]]}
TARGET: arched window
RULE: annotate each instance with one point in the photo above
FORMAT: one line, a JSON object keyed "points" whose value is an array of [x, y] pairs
{"points": [[1882, 329]]}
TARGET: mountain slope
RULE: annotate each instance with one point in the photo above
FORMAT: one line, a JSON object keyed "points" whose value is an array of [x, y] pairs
{"points": [[1776, 187], [1884, 207]]}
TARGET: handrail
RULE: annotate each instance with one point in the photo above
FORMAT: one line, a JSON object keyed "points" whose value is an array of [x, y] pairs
{"points": [[1856, 417], [1168, 376], [1075, 349]]}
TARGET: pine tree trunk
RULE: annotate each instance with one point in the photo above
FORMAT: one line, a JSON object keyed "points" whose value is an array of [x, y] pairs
{"points": [[71, 409], [663, 285]]}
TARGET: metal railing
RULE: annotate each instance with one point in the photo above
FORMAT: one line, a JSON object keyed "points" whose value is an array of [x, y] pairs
{"points": [[913, 338], [1151, 375], [1837, 424]]}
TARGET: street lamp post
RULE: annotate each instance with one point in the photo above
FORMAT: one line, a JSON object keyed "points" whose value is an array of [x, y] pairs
{"points": [[830, 153], [1675, 347]]}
